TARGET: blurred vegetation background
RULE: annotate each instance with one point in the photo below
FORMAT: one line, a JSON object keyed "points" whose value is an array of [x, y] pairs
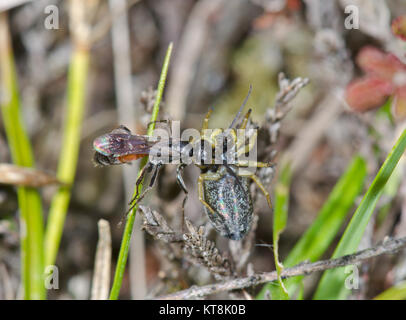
{"points": [[73, 70]]}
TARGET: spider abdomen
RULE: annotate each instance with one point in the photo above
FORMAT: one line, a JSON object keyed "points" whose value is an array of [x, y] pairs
{"points": [[231, 202]]}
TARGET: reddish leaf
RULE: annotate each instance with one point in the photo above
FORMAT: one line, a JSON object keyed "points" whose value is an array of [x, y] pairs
{"points": [[399, 27], [368, 93], [294, 5], [375, 61]]}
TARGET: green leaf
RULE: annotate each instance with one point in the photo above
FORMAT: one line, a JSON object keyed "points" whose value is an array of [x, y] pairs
{"points": [[332, 282], [389, 192], [29, 201], [76, 93], [324, 229], [397, 292]]}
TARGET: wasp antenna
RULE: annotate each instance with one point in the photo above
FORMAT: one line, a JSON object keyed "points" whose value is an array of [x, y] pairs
{"points": [[121, 129], [241, 108], [124, 128]]}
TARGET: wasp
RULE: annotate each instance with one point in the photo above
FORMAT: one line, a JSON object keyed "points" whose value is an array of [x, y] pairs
{"points": [[120, 146], [223, 184]]}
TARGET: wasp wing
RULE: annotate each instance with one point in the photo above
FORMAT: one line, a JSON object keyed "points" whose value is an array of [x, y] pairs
{"points": [[121, 144]]}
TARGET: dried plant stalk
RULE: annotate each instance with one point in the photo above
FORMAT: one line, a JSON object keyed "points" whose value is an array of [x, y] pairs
{"points": [[102, 266]]}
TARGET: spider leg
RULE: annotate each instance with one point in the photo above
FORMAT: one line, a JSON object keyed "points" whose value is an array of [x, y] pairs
{"points": [[245, 121], [253, 164], [205, 124], [241, 148], [202, 177], [263, 189]]}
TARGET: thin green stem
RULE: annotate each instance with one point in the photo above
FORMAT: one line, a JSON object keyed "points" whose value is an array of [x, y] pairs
{"points": [[70, 150], [125, 243], [31, 220], [279, 224]]}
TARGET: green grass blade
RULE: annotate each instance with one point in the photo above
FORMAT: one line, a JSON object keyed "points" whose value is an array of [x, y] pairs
{"points": [[390, 191], [332, 282], [31, 220], [76, 92], [324, 229], [397, 292], [125, 242], [279, 224]]}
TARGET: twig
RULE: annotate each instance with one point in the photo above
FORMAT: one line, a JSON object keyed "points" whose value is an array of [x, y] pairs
{"points": [[101, 276], [102, 28], [27, 177], [156, 226], [195, 246], [288, 90], [204, 252], [386, 247], [7, 284]]}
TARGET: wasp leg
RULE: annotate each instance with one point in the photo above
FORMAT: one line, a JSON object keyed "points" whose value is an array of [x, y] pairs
{"points": [[148, 167], [202, 177], [150, 186], [151, 182], [262, 187], [181, 183], [253, 164], [179, 178]]}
